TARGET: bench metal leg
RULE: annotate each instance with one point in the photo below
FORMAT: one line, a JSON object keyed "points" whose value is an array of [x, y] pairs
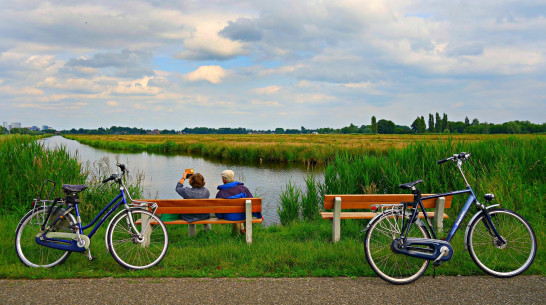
{"points": [[192, 230], [336, 220], [248, 221], [206, 227], [439, 215]]}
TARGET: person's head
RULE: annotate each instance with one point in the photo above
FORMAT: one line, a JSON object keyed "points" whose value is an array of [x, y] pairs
{"points": [[228, 176], [197, 180]]}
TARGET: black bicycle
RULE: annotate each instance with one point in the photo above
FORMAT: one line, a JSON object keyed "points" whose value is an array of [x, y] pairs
{"points": [[49, 233], [399, 246]]}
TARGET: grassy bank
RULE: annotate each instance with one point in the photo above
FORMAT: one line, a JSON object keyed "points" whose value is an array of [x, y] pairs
{"points": [[276, 148], [513, 168], [297, 250]]}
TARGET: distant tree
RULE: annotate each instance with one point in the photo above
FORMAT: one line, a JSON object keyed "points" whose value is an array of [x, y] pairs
{"points": [[279, 130], [445, 123], [351, 129], [466, 121], [475, 122], [438, 125], [430, 122], [2, 130], [386, 127], [418, 125], [303, 130], [374, 125]]}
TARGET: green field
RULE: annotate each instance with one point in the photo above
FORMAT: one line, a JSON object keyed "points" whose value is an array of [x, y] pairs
{"points": [[308, 148], [511, 167]]}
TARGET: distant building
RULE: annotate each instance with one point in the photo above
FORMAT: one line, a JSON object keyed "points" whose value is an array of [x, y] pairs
{"points": [[15, 125], [45, 127], [34, 128]]}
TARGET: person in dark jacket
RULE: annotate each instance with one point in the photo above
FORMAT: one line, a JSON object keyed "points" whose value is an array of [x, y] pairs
{"points": [[232, 189], [197, 191]]}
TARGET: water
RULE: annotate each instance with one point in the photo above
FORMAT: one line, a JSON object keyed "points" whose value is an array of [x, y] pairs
{"points": [[163, 172]]}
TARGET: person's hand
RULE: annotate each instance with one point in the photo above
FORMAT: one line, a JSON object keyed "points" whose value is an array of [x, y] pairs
{"points": [[186, 173]]}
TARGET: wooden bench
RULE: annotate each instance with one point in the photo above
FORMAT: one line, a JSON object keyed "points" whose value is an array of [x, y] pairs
{"points": [[197, 206], [365, 202]]}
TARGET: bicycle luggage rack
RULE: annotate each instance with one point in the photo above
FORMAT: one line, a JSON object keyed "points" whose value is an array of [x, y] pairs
{"points": [[38, 202]]}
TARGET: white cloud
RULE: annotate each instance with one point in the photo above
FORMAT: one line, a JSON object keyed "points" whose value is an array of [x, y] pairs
{"points": [[14, 91], [136, 87], [212, 74], [266, 103], [268, 90], [112, 103]]}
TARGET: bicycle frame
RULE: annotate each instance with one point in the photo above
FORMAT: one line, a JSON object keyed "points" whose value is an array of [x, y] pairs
{"points": [[462, 214], [101, 217]]}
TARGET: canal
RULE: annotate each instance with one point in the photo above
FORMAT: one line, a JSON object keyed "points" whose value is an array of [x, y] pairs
{"points": [[163, 171]]}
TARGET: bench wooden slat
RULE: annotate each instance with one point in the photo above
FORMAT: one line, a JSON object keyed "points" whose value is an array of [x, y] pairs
{"points": [[206, 221], [203, 202], [195, 210], [365, 201], [366, 215]]}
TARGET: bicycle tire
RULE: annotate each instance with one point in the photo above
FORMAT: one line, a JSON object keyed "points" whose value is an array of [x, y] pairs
{"points": [[133, 252], [495, 258], [392, 267], [32, 254]]}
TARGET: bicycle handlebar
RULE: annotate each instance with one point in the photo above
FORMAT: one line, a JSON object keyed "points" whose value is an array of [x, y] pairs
{"points": [[462, 156], [108, 179], [116, 176]]}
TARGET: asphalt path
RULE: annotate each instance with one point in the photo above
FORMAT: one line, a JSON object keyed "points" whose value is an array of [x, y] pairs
{"points": [[426, 290]]}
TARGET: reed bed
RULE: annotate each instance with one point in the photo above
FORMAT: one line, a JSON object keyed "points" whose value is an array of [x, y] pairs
{"points": [[25, 164], [308, 148]]}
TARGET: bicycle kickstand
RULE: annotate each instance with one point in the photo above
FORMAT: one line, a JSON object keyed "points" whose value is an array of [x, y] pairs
{"points": [[89, 254]]}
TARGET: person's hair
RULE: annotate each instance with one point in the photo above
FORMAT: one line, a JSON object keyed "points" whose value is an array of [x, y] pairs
{"points": [[228, 176], [197, 180]]}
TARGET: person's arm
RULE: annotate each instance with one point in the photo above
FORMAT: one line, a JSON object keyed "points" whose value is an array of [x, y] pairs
{"points": [[180, 189]]}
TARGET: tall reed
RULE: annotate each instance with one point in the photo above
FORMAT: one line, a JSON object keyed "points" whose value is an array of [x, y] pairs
{"points": [[25, 164], [289, 207]]}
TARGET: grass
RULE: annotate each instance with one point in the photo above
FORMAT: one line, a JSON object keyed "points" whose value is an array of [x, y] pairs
{"points": [[296, 250], [306, 148]]}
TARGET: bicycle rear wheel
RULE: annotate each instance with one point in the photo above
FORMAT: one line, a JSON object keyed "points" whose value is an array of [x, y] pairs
{"points": [[494, 257], [131, 250], [390, 266], [32, 254]]}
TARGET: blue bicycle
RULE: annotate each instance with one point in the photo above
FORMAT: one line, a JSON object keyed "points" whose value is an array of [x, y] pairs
{"points": [[135, 237], [399, 246]]}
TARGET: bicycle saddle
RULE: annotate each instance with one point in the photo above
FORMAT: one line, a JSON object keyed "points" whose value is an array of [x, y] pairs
{"points": [[409, 185], [74, 188]]}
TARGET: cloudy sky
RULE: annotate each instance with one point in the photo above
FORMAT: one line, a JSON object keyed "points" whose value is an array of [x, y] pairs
{"points": [[267, 64]]}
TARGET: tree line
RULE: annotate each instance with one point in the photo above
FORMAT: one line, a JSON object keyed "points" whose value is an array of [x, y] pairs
{"points": [[435, 124]]}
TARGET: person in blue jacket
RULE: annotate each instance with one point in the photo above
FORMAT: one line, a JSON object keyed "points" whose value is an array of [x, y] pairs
{"points": [[232, 189]]}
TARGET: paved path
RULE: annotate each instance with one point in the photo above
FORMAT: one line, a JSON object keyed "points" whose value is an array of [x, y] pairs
{"points": [[439, 290]]}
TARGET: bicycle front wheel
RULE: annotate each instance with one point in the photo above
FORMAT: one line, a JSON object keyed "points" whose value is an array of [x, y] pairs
{"points": [[495, 257], [141, 249], [393, 267], [32, 254]]}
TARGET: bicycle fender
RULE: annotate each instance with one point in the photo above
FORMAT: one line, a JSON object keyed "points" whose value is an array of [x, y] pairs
{"points": [[371, 221], [466, 240]]}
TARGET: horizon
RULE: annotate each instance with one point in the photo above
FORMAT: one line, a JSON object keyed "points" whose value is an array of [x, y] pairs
{"points": [[262, 65]]}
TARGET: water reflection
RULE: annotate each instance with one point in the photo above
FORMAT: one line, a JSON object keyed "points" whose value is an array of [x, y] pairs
{"points": [[163, 171]]}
